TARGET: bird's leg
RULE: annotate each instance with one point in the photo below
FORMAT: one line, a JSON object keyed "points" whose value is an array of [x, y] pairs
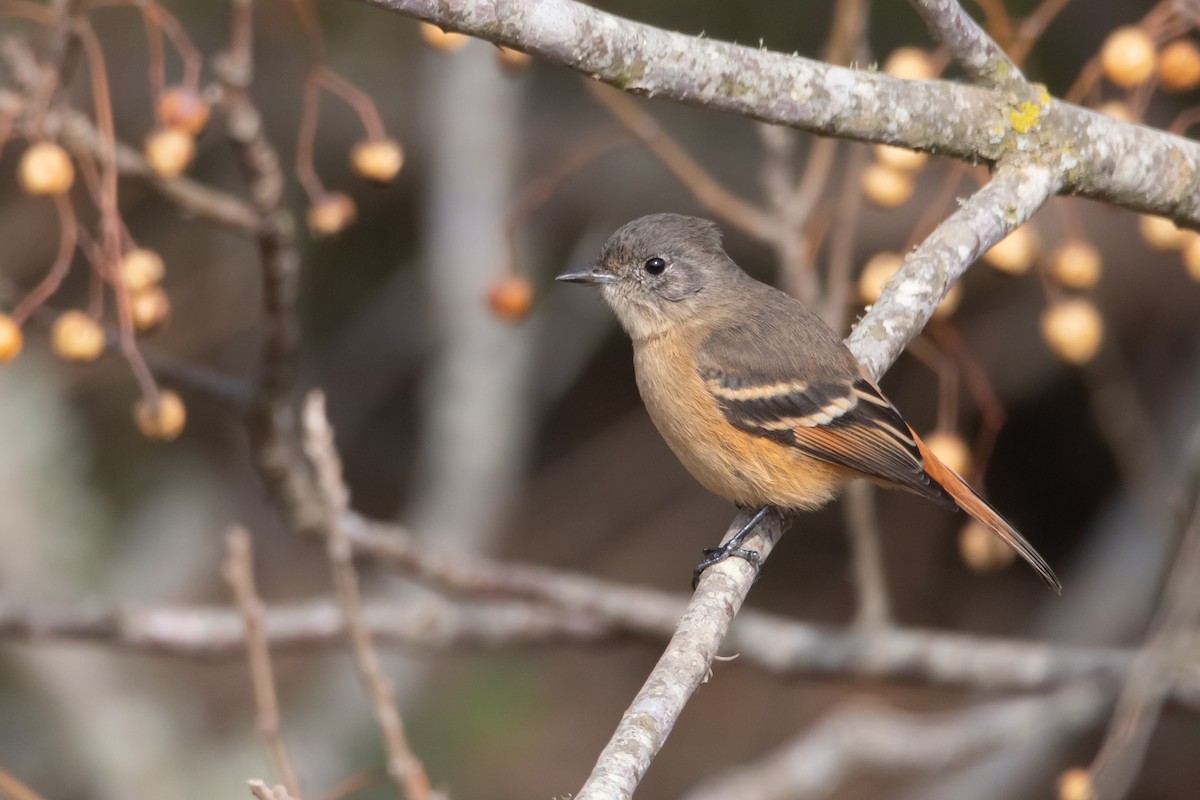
{"points": [[733, 547]]}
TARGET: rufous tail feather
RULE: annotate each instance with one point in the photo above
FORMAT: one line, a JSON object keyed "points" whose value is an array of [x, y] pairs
{"points": [[970, 501]]}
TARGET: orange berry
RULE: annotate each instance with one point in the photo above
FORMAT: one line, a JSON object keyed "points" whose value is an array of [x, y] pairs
{"points": [[1073, 329], [886, 186], [441, 39], [1128, 56], [1179, 66], [46, 169], [1076, 265], [910, 63], [183, 108], [950, 449], [981, 550], [331, 215], [11, 339], [1076, 784], [150, 308], [511, 297], [1191, 257], [377, 160], [1161, 233], [164, 422], [513, 61], [900, 158], [169, 151], [140, 269], [77, 337], [1014, 253]]}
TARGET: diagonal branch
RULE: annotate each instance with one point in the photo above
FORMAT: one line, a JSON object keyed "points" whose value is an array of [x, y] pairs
{"points": [[984, 60]]}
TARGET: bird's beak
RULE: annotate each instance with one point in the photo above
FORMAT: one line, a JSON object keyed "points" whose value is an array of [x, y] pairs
{"points": [[588, 277]]}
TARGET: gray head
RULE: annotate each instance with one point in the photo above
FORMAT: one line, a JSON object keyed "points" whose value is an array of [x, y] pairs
{"points": [[660, 271]]}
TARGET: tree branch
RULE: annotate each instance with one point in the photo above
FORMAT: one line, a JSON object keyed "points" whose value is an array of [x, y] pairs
{"points": [[1126, 164], [985, 61]]}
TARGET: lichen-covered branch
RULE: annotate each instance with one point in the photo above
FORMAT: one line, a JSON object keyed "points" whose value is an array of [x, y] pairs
{"points": [[680, 670], [984, 60], [1011, 197], [1125, 164]]}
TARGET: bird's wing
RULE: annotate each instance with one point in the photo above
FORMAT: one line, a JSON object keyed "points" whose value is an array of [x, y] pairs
{"points": [[828, 409]]}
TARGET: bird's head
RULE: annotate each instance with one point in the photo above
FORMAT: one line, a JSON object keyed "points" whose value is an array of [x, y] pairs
{"points": [[659, 272]]}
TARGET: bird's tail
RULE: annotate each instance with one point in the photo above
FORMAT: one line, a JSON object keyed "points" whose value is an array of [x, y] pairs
{"points": [[970, 501]]}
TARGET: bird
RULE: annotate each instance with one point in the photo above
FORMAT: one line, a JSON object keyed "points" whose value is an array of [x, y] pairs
{"points": [[753, 392]]}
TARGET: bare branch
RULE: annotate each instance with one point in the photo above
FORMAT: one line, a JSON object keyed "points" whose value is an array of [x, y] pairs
{"points": [[239, 574], [984, 60], [684, 665], [910, 297], [405, 768], [819, 761], [870, 580], [1126, 164]]}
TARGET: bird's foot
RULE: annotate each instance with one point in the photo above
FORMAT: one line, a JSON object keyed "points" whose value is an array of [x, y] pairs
{"points": [[715, 555]]}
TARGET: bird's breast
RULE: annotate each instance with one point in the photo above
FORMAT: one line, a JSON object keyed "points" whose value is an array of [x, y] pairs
{"points": [[747, 469]]}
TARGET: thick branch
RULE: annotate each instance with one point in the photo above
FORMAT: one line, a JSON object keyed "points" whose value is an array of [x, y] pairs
{"points": [[1125, 164]]}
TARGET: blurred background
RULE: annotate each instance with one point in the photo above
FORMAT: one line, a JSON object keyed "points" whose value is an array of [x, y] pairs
{"points": [[523, 438]]}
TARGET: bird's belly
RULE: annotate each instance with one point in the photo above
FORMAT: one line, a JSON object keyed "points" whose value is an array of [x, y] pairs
{"points": [[747, 469]]}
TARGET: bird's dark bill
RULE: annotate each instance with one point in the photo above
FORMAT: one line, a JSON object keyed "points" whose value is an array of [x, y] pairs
{"points": [[588, 277]]}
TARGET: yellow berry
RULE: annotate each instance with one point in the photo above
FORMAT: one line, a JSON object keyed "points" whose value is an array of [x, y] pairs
{"points": [[1014, 253], [11, 339], [1073, 329], [900, 158], [880, 269], [140, 269], [163, 422], [1076, 265], [886, 186], [1179, 66], [46, 169], [877, 272], [1128, 56], [1117, 109], [377, 160], [169, 151], [183, 108], [910, 63], [1191, 257], [150, 308], [1161, 233], [1076, 784], [511, 297], [513, 61], [950, 449], [981, 550], [77, 337], [331, 214], [442, 40]]}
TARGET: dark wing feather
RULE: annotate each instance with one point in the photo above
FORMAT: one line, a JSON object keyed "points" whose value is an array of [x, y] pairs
{"points": [[831, 413]]}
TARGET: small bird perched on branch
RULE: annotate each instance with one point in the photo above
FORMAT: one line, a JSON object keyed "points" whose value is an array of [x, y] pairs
{"points": [[754, 393]]}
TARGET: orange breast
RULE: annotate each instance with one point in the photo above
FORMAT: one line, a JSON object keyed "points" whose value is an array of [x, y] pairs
{"points": [[747, 469]]}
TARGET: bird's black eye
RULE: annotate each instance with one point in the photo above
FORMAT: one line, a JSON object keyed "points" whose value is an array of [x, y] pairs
{"points": [[655, 265]]}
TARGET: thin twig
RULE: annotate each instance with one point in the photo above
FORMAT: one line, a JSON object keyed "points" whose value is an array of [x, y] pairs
{"points": [[1168, 650], [709, 192], [404, 767], [870, 579], [239, 574]]}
